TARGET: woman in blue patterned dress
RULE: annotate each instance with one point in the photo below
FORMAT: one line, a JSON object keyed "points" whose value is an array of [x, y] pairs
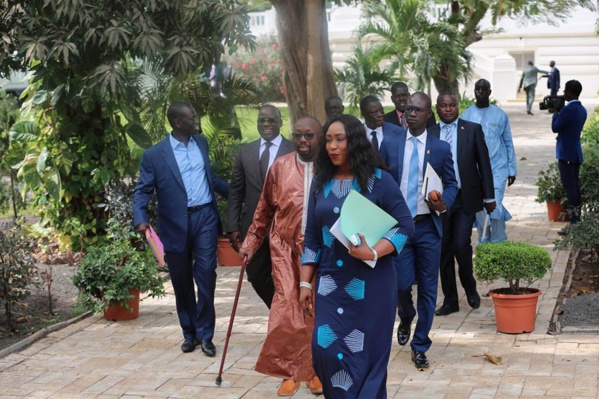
{"points": [[355, 304]]}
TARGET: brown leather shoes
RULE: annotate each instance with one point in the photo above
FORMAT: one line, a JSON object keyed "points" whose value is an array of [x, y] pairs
{"points": [[288, 388], [315, 386]]}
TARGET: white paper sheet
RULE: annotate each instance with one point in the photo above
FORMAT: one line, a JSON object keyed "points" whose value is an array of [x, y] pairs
{"points": [[336, 231]]}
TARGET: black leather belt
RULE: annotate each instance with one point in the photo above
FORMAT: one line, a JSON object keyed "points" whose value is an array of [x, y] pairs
{"points": [[420, 218], [196, 208]]}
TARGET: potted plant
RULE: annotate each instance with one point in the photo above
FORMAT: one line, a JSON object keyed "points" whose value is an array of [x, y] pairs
{"points": [[110, 278], [513, 262], [550, 190], [223, 149]]}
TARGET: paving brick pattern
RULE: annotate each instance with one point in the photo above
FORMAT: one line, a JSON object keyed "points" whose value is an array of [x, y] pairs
{"points": [[95, 358]]}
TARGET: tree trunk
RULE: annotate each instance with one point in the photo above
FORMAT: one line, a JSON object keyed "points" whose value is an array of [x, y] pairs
{"points": [[308, 71], [444, 83]]}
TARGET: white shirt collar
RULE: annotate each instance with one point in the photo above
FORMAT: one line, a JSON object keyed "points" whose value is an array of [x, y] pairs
{"points": [[276, 141], [421, 138]]}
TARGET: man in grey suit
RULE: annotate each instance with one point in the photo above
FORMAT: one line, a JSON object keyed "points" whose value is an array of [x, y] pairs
{"points": [[529, 83], [249, 172], [475, 190]]}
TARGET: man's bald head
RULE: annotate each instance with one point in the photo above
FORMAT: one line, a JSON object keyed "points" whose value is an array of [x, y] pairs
{"points": [[306, 134]]}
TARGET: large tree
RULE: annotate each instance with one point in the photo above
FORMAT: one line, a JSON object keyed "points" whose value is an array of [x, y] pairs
{"points": [[308, 70], [85, 56]]}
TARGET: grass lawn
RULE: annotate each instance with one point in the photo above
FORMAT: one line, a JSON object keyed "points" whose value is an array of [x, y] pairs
{"points": [[248, 116]]}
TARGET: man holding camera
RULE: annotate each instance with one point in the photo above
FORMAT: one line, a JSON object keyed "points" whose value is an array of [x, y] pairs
{"points": [[568, 123]]}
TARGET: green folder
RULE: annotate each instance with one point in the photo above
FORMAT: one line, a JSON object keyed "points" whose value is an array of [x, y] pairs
{"points": [[360, 215]]}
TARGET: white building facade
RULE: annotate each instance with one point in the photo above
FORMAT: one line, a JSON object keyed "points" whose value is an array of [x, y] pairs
{"points": [[499, 58]]}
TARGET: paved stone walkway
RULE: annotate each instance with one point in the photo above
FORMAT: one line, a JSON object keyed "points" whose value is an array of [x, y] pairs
{"points": [[95, 358]]}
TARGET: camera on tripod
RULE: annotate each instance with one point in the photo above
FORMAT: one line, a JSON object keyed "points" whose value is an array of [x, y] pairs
{"points": [[555, 102]]}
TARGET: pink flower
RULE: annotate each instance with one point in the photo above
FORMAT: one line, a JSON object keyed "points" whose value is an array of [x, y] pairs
{"points": [[260, 51], [244, 66], [274, 46], [262, 72], [263, 78]]}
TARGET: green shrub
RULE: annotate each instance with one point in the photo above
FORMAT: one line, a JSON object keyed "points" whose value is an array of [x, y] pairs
{"points": [[17, 268], [549, 185], [590, 133], [512, 262], [107, 273]]}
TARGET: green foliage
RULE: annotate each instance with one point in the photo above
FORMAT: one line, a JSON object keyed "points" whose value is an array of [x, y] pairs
{"points": [[589, 172], [83, 101], [17, 269], [549, 185], [262, 66], [362, 76], [107, 273], [512, 262], [9, 112], [590, 133], [431, 50]]}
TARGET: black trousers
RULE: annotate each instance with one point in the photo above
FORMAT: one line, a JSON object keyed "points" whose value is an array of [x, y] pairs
{"points": [[569, 173], [457, 244], [259, 271]]}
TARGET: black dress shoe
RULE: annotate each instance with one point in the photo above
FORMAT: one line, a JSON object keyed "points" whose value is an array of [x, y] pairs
{"points": [[420, 360], [474, 300], [189, 345], [403, 332], [447, 309], [208, 347]]}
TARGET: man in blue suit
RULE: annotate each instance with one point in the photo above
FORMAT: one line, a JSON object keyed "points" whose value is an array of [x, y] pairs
{"points": [[568, 123], [178, 170], [408, 155], [377, 130]]}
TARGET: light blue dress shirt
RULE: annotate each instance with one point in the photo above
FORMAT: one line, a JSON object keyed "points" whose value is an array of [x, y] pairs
{"points": [[193, 171], [454, 146]]}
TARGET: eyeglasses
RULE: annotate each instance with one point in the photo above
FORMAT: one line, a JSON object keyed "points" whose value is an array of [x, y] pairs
{"points": [[267, 120], [417, 110], [298, 136]]}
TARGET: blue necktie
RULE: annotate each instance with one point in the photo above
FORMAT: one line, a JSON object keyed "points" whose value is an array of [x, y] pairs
{"points": [[413, 179]]}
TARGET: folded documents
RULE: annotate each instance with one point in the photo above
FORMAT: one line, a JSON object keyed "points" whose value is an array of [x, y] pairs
{"points": [[360, 215], [431, 182], [156, 245]]}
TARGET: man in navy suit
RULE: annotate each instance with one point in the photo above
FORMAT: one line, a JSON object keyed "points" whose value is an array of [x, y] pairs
{"points": [[568, 123], [475, 189], [377, 130], [408, 155], [178, 170], [553, 79]]}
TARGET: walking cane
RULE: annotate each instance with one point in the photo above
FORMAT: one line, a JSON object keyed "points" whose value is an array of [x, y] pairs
{"points": [[219, 378]]}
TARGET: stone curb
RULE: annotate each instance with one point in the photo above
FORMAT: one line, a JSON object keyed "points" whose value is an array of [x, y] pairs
{"points": [[41, 334]]}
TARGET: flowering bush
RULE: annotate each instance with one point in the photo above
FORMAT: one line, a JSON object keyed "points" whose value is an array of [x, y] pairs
{"points": [[263, 67]]}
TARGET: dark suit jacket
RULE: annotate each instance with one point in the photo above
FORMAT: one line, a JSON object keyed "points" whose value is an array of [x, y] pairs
{"points": [[391, 117], [438, 154], [553, 80], [389, 130], [568, 124], [246, 185], [160, 173], [474, 165]]}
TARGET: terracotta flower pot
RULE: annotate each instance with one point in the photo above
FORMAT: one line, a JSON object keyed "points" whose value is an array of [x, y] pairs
{"points": [[225, 254], [116, 312], [556, 212], [515, 314]]}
